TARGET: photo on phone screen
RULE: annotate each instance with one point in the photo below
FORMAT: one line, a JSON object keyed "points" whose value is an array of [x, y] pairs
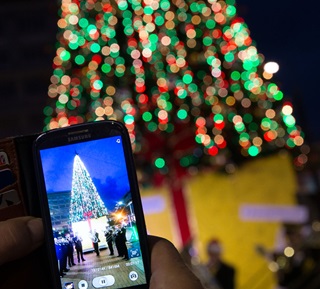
{"points": [[93, 218]]}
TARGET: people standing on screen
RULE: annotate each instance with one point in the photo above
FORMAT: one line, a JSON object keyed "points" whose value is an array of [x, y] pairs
{"points": [[120, 241], [61, 246], [109, 238], [70, 250], [59, 256], [95, 242], [222, 273], [77, 240]]}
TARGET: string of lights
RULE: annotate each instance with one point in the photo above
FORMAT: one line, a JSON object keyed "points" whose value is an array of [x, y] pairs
{"points": [[169, 69]]}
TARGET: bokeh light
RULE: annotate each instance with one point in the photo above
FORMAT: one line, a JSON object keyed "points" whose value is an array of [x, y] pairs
{"points": [[186, 73]]}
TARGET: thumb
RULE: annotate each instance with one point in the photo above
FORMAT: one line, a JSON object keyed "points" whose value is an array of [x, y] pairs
{"points": [[168, 270], [19, 237]]}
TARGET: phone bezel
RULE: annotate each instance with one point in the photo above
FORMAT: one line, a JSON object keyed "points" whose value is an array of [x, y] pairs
{"points": [[96, 130]]}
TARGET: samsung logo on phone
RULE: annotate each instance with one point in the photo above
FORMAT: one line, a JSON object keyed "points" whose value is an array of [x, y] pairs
{"points": [[79, 137]]}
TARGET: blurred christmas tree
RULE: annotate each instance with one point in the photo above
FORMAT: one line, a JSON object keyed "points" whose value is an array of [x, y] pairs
{"points": [[85, 202], [184, 76]]}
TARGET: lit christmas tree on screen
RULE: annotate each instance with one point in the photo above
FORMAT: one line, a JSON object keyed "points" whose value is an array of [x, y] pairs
{"points": [[85, 203]]}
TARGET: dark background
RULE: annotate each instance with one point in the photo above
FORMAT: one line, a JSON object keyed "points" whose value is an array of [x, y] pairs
{"points": [[27, 47], [287, 31], [284, 31]]}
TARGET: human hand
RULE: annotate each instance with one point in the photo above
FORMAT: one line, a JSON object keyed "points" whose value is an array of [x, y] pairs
{"points": [[19, 237], [168, 271]]}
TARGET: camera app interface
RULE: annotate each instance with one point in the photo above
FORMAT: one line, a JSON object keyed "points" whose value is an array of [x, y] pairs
{"points": [[92, 214]]}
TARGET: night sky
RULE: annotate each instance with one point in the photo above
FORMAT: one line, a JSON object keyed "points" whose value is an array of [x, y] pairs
{"points": [[287, 32], [103, 159]]}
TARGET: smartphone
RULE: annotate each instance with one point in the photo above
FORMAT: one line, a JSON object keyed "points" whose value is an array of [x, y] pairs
{"points": [[93, 218]]}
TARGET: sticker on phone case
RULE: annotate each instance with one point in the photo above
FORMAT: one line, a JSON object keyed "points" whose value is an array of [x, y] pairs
{"points": [[4, 160], [6, 178], [8, 199]]}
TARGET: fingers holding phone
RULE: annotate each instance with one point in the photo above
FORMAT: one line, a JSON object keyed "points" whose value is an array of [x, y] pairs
{"points": [[167, 267], [19, 237]]}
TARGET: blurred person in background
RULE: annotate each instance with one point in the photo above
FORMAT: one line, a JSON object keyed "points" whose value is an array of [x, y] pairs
{"points": [[215, 274], [221, 273]]}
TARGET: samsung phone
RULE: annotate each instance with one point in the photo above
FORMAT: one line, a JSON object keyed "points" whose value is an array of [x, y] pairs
{"points": [[92, 210]]}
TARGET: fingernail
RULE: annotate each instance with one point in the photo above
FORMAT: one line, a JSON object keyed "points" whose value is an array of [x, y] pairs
{"points": [[35, 227]]}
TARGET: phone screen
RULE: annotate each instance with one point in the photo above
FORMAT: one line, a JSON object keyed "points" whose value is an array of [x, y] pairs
{"points": [[92, 213]]}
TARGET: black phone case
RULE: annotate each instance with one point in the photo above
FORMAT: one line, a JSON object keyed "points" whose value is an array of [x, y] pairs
{"points": [[31, 271]]}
